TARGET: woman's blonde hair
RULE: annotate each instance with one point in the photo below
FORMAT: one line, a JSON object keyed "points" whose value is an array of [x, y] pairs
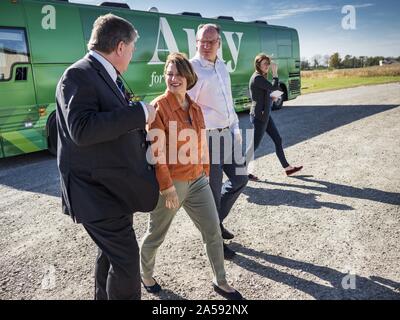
{"points": [[184, 68], [260, 58]]}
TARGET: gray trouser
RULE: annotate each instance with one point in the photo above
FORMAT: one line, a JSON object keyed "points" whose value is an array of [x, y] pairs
{"points": [[223, 160], [197, 200]]}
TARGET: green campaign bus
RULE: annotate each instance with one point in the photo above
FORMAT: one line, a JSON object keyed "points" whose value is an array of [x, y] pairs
{"points": [[40, 39]]}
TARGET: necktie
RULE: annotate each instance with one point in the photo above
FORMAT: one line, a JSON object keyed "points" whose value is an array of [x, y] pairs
{"points": [[120, 85], [121, 88]]}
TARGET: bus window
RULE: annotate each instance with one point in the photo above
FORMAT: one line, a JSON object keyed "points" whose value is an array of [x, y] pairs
{"points": [[13, 49]]}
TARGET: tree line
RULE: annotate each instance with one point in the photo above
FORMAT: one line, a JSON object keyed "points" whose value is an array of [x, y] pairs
{"points": [[334, 61]]}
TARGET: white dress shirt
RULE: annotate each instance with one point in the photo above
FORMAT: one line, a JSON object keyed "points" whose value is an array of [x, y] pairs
{"points": [[113, 74], [213, 94]]}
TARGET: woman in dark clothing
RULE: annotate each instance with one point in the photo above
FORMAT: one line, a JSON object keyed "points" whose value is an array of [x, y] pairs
{"points": [[260, 113]]}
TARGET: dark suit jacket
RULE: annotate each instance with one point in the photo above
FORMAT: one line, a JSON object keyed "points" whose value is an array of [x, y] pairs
{"points": [[260, 89], [101, 147]]}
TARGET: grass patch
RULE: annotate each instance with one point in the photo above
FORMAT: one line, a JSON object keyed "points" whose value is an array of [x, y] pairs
{"points": [[324, 80], [310, 85]]}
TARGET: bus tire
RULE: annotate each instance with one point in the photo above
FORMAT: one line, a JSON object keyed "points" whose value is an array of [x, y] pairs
{"points": [[52, 134]]}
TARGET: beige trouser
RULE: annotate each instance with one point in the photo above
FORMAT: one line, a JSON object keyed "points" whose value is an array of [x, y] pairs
{"points": [[197, 200]]}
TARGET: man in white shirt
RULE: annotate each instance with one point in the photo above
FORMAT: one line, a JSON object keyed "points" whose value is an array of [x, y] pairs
{"points": [[213, 94]]}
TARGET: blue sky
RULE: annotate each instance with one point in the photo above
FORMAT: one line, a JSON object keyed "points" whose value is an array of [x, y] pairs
{"points": [[319, 23]]}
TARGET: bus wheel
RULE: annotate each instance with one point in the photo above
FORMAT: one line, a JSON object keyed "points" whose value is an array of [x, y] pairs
{"points": [[52, 134]]}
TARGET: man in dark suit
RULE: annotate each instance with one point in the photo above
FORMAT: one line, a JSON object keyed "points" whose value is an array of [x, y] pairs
{"points": [[102, 155]]}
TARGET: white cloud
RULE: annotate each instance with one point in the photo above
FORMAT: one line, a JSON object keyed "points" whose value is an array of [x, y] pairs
{"points": [[365, 5], [280, 14], [290, 12]]}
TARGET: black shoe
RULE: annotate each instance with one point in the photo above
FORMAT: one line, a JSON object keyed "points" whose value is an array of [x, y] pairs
{"points": [[226, 234], [155, 288], [235, 295], [254, 178], [228, 253]]}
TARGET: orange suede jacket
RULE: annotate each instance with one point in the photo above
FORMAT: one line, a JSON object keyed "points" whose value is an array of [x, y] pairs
{"points": [[183, 153]]}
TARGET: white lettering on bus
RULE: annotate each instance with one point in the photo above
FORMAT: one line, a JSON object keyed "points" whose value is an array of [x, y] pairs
{"points": [[156, 78], [191, 36], [49, 20], [232, 48], [165, 30]]}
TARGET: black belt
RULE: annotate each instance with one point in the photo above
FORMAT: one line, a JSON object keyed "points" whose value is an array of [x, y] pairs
{"points": [[219, 129]]}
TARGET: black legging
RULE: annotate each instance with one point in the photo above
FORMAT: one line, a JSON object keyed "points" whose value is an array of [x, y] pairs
{"points": [[270, 128]]}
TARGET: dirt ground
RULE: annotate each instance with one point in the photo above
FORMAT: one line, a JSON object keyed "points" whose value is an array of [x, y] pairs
{"points": [[332, 232]]}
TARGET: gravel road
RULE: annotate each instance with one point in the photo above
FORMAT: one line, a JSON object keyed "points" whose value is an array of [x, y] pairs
{"points": [[332, 232]]}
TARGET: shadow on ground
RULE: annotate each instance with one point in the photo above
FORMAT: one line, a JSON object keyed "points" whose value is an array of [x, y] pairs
{"points": [[358, 287], [300, 123], [279, 197], [275, 197], [295, 123], [166, 294]]}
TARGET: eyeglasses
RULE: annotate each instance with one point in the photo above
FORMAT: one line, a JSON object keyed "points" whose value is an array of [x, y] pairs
{"points": [[208, 42]]}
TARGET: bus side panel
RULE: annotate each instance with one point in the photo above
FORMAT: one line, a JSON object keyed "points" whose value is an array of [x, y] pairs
{"points": [[52, 50], [20, 125], [56, 39], [282, 44], [55, 32], [243, 53], [12, 14], [145, 76], [240, 43], [20, 131], [169, 36], [294, 88], [275, 43]]}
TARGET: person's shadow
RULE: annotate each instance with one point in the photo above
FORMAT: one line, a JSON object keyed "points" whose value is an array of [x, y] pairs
{"points": [[342, 285], [342, 190], [278, 197], [166, 294]]}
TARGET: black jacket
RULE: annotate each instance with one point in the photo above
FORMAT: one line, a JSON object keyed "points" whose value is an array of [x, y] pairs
{"points": [[260, 89], [101, 147]]}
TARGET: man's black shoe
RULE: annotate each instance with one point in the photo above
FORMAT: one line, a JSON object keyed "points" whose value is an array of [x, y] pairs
{"points": [[235, 295], [155, 288], [228, 253], [226, 234]]}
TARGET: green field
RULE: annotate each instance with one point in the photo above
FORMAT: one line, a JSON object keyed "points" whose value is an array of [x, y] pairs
{"points": [[323, 80], [310, 85]]}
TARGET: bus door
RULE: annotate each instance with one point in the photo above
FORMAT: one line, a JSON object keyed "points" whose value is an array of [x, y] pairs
{"points": [[18, 110]]}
